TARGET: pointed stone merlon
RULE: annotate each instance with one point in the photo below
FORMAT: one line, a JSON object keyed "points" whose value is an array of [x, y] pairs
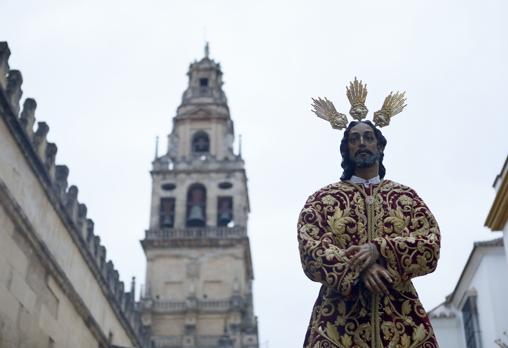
{"points": [[102, 259], [5, 53], [90, 238], [133, 289], [112, 277], [82, 221], [27, 117], [120, 293], [39, 140], [71, 202], [13, 91], [90, 225], [95, 243], [61, 175], [49, 160]]}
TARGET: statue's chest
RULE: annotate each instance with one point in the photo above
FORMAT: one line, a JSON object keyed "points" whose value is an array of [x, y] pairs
{"points": [[363, 217]]}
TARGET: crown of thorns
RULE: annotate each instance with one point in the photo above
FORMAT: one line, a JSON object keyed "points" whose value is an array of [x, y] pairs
{"points": [[357, 93]]}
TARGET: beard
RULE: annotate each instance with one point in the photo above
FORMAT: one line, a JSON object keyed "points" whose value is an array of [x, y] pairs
{"points": [[366, 159]]}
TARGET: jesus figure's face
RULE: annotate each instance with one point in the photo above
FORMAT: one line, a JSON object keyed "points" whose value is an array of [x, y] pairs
{"points": [[364, 150]]}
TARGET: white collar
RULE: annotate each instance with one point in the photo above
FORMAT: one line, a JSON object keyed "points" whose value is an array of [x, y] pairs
{"points": [[366, 182]]}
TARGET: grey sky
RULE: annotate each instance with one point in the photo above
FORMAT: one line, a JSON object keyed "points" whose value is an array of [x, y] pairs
{"points": [[108, 76]]}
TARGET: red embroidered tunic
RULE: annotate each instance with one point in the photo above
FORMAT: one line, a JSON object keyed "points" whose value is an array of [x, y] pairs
{"points": [[399, 224]]}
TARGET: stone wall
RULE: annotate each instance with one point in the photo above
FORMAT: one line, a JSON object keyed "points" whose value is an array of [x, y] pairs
{"points": [[57, 288]]}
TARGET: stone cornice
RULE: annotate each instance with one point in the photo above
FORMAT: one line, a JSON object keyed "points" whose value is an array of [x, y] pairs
{"points": [[498, 214]]}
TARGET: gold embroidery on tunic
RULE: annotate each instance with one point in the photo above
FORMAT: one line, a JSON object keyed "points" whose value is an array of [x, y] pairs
{"points": [[407, 237]]}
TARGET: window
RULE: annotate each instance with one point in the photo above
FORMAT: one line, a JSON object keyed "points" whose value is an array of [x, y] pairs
{"points": [[196, 206], [225, 185], [204, 91], [470, 319], [167, 213], [224, 211], [200, 143]]}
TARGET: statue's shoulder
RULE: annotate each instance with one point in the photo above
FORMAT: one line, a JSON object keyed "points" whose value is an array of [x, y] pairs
{"points": [[333, 189], [390, 185]]}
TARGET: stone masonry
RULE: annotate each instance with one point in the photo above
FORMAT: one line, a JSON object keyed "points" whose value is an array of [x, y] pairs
{"points": [[57, 288]]}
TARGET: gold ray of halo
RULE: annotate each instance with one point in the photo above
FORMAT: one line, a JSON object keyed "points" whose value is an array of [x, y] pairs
{"points": [[394, 104], [357, 94], [324, 108]]}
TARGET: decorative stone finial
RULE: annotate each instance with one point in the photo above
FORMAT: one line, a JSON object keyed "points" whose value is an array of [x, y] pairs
{"points": [[133, 288], [207, 50], [156, 147], [240, 146]]}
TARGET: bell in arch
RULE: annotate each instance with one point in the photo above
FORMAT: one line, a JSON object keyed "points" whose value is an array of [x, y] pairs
{"points": [[196, 216], [225, 211], [196, 205]]}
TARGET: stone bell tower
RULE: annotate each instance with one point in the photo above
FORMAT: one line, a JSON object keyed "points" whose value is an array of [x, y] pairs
{"points": [[199, 270]]}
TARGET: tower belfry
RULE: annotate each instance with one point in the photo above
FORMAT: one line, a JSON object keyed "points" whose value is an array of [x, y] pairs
{"points": [[199, 270]]}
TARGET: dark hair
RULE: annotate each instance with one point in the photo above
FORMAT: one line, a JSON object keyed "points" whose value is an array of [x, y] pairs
{"points": [[347, 164]]}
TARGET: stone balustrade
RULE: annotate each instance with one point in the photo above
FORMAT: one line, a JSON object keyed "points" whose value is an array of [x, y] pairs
{"points": [[205, 341], [167, 341], [223, 305], [236, 232]]}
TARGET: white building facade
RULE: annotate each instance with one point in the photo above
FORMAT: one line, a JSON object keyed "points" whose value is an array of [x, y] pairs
{"points": [[475, 314]]}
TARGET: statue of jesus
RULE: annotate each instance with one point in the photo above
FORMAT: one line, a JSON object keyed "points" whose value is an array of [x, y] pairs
{"points": [[364, 238]]}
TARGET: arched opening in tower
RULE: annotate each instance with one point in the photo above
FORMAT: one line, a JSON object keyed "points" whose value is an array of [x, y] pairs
{"points": [[196, 206]]}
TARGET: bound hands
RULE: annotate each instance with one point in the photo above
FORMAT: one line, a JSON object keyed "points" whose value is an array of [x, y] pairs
{"points": [[363, 259], [362, 256]]}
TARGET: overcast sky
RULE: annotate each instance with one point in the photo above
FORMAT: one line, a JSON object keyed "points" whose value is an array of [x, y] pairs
{"points": [[109, 75]]}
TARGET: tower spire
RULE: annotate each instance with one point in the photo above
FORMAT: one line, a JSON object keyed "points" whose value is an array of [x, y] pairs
{"points": [[156, 147], [207, 50], [240, 146]]}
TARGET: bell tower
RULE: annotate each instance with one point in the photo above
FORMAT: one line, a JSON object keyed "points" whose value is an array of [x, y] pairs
{"points": [[199, 274]]}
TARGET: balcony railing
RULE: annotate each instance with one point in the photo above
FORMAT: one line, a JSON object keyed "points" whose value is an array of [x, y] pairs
{"points": [[203, 305], [197, 233], [167, 341], [208, 341]]}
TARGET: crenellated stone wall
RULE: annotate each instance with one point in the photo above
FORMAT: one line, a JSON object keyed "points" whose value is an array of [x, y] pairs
{"points": [[57, 288]]}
